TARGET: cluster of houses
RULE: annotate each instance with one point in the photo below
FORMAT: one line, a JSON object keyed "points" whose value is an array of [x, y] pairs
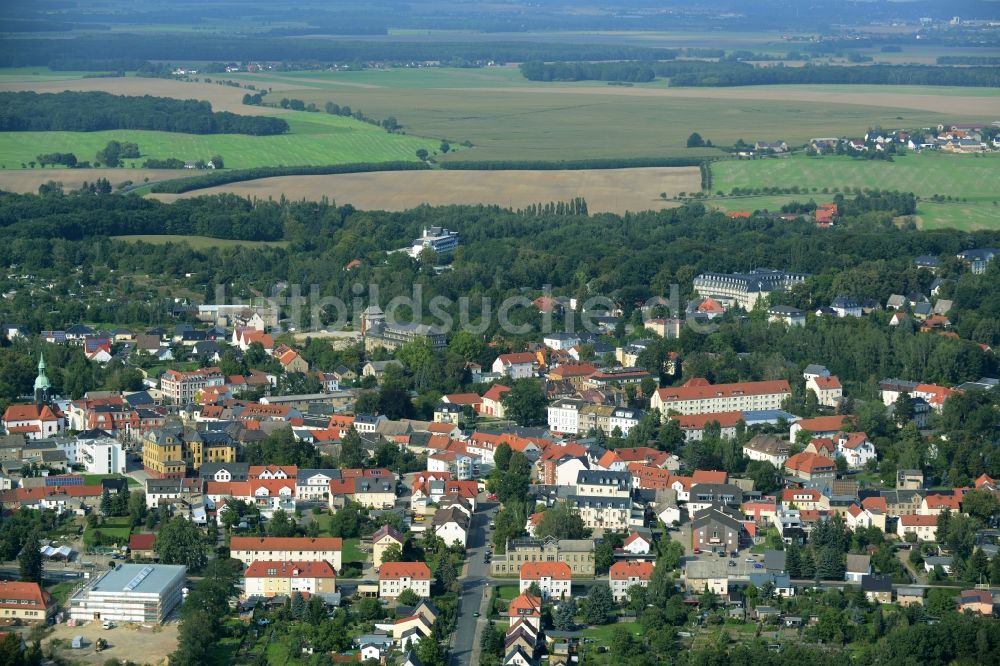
{"points": [[961, 138]]}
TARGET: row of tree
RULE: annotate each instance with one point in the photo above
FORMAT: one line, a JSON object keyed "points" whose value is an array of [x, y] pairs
{"points": [[94, 111]]}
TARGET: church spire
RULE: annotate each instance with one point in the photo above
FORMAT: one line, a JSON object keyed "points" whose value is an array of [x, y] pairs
{"points": [[42, 385]]}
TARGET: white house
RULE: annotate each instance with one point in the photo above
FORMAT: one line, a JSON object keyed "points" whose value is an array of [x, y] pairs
{"points": [[856, 448], [554, 579], [637, 544], [452, 526], [314, 484], [100, 453], [828, 389], [516, 366], [564, 416], [625, 574], [394, 577], [560, 341]]}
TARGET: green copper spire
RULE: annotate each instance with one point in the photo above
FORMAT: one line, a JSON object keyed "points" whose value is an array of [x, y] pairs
{"points": [[41, 381]]}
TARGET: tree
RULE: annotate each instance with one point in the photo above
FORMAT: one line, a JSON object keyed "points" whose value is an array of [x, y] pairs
{"points": [[980, 504], [347, 522], [562, 522], [831, 564], [29, 561], [281, 525], [218, 162], [408, 598], [695, 141], [196, 639], [808, 566], [394, 553], [501, 457], [106, 504], [600, 605], [429, 652], [352, 450], [421, 154], [564, 614], [903, 409], [180, 542], [445, 147], [525, 402], [604, 556]]}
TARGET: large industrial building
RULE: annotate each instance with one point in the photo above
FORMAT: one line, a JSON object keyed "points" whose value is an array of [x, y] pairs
{"points": [[131, 593]]}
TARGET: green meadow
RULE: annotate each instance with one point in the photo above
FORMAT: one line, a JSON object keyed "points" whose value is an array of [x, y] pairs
{"points": [[969, 180], [315, 138], [506, 117], [199, 242]]}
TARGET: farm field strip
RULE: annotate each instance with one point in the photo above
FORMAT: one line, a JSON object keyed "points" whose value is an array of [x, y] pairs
{"points": [[606, 190]]}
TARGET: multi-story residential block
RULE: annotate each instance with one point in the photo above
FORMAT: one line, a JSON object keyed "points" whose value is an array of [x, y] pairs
{"points": [[314, 484], [100, 453], [607, 513], [287, 549], [828, 390], [516, 366], [717, 529], [577, 553], [603, 483], [264, 578], [626, 574], [554, 579], [697, 396], [745, 289], [924, 527], [809, 466], [394, 577], [564, 416], [183, 387]]}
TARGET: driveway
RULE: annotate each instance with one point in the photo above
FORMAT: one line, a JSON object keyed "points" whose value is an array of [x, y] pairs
{"points": [[474, 593]]}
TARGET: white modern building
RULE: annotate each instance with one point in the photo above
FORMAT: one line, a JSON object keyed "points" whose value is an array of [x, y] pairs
{"points": [[100, 453], [564, 416], [439, 239], [131, 593]]}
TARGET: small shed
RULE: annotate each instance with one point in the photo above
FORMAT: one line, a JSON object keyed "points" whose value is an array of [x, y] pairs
{"points": [[77, 642]]}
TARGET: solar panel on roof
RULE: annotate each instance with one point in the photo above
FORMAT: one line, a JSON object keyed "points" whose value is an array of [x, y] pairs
{"points": [[138, 578]]}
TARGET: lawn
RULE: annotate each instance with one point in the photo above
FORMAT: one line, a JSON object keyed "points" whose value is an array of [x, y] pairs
{"points": [[959, 176], [60, 591], [200, 242], [117, 528], [508, 592], [352, 551], [94, 479], [315, 138]]}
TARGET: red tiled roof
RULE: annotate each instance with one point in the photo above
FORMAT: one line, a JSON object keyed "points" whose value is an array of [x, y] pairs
{"points": [[29, 413], [538, 570], [875, 504], [809, 462], [708, 476], [318, 569], [827, 383], [517, 358], [286, 543], [699, 421], [463, 399], [257, 470], [914, 520], [496, 392], [525, 604], [707, 391], [413, 570], [12, 593], [624, 570]]}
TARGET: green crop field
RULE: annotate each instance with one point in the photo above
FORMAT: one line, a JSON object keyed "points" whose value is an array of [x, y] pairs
{"points": [[315, 138], [200, 242], [969, 180], [509, 118]]}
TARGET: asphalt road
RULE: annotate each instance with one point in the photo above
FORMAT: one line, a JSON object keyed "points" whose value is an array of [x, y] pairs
{"points": [[475, 586]]}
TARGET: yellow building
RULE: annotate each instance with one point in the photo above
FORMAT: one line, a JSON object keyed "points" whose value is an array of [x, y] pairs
{"points": [[266, 578], [383, 538], [24, 601], [172, 452]]}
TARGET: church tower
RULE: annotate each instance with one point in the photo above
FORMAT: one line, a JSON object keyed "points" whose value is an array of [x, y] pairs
{"points": [[42, 386]]}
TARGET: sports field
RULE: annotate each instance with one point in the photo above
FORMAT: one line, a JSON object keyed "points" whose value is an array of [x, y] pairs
{"points": [[606, 190], [315, 138], [970, 181]]}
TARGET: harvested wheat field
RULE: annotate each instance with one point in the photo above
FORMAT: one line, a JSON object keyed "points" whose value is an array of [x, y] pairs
{"points": [[606, 190], [223, 98], [28, 180]]}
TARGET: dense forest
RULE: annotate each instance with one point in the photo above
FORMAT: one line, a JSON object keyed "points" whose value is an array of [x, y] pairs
{"points": [[704, 73], [95, 111]]}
